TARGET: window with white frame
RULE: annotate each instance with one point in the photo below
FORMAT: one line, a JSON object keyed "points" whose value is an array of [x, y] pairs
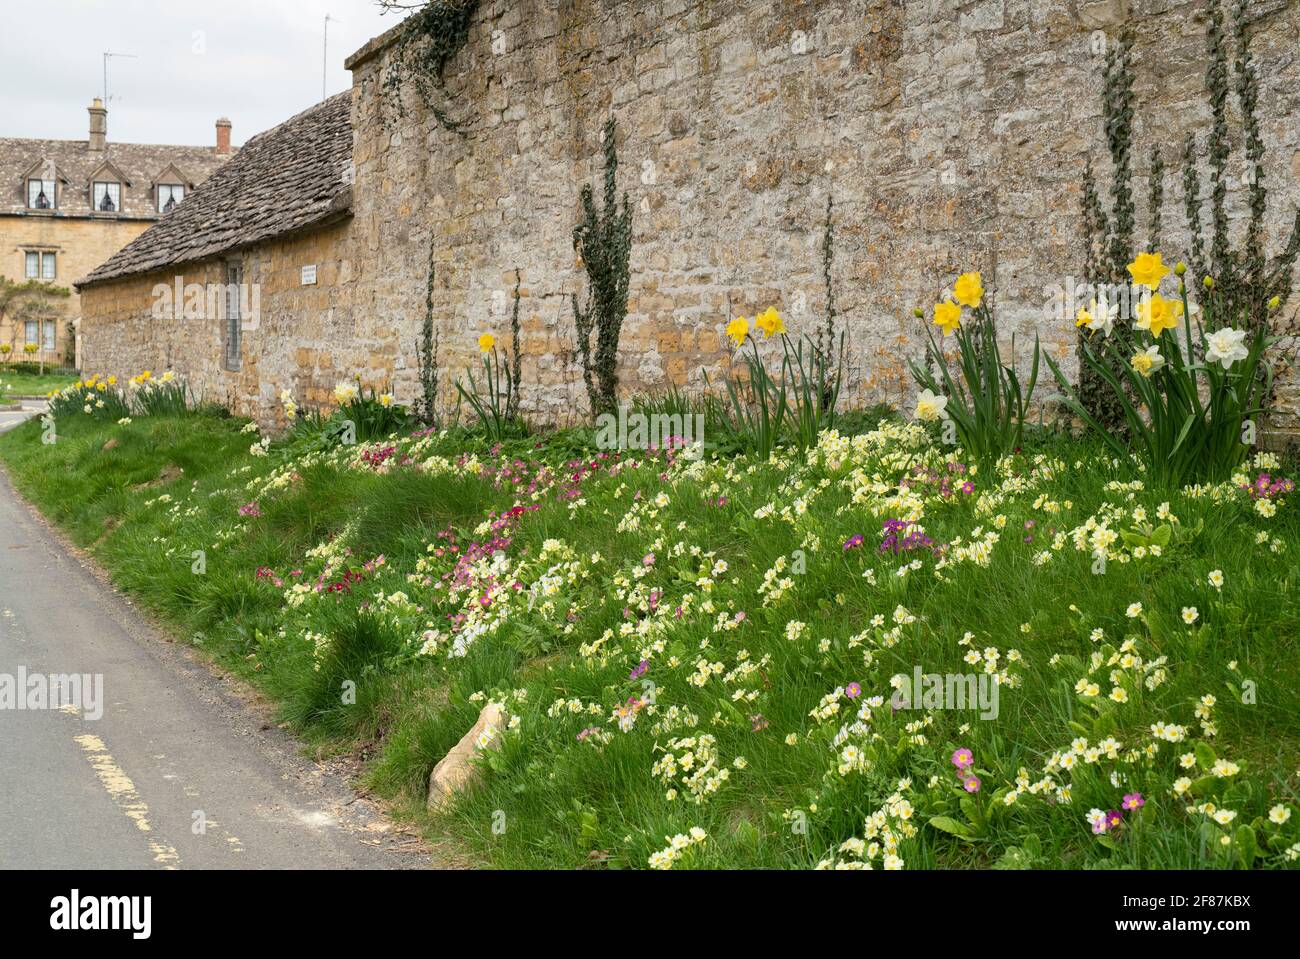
{"points": [[40, 194], [39, 265], [31, 330], [170, 196], [107, 196], [48, 335]]}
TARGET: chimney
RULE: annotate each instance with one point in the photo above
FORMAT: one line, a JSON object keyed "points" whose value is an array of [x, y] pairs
{"points": [[223, 136], [98, 125]]}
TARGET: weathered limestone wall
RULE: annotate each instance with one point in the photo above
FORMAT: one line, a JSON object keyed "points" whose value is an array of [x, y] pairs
{"points": [[951, 136], [302, 338]]}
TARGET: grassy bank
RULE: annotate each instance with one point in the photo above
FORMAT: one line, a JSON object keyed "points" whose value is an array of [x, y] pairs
{"points": [[715, 645]]}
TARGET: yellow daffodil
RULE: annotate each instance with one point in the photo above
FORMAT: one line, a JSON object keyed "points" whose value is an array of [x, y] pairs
{"points": [[947, 315], [738, 329], [1084, 317], [1156, 314], [486, 342], [386, 400], [1147, 270], [770, 322], [112, 381], [969, 290]]}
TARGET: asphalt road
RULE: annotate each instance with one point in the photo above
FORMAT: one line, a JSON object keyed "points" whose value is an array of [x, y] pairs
{"points": [[181, 771], [10, 418]]}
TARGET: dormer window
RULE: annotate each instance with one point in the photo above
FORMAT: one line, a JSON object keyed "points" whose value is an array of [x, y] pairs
{"points": [[170, 196], [40, 194], [107, 196]]}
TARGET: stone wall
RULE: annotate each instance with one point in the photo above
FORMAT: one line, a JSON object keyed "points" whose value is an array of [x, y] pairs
{"points": [[304, 337], [951, 136]]}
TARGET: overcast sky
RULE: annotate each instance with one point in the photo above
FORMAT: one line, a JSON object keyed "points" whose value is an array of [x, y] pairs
{"points": [[257, 62]]}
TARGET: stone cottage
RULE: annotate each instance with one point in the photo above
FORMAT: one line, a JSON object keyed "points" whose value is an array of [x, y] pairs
{"points": [[67, 205], [950, 135], [246, 289]]}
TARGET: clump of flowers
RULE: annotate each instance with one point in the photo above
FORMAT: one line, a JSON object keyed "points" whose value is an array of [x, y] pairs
{"points": [[964, 760], [678, 847], [899, 537], [1267, 486]]}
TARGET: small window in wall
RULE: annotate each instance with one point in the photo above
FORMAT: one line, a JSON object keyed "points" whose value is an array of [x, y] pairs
{"points": [[48, 336], [39, 265], [30, 331], [169, 196], [107, 196], [40, 194], [233, 319]]}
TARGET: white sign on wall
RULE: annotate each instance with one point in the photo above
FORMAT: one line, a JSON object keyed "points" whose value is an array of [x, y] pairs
{"points": [[309, 275]]}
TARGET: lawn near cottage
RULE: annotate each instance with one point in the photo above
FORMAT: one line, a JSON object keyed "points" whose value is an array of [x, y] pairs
{"points": [[24, 382], [701, 658]]}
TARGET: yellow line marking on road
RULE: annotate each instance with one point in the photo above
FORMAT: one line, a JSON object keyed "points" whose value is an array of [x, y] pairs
{"points": [[122, 791]]}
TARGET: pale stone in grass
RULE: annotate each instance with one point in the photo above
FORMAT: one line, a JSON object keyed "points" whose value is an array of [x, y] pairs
{"points": [[456, 770]]}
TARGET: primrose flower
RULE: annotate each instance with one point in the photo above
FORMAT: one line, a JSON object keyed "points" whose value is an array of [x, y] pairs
{"points": [[486, 342], [969, 290], [1147, 361], [947, 316], [1190, 615], [738, 329], [1155, 314], [971, 784], [1216, 578], [930, 407], [1148, 270], [963, 758], [853, 542], [1279, 814], [853, 690], [1133, 801], [1225, 347]]}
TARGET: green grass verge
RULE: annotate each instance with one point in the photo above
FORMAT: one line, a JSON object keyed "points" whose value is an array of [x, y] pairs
{"points": [[690, 645]]}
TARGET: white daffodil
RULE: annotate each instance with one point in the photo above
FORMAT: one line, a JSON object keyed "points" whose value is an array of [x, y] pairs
{"points": [[1226, 347], [1102, 314], [1147, 361], [931, 407]]}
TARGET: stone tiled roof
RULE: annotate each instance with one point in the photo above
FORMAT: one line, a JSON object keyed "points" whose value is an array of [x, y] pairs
{"points": [[141, 165], [293, 176]]}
